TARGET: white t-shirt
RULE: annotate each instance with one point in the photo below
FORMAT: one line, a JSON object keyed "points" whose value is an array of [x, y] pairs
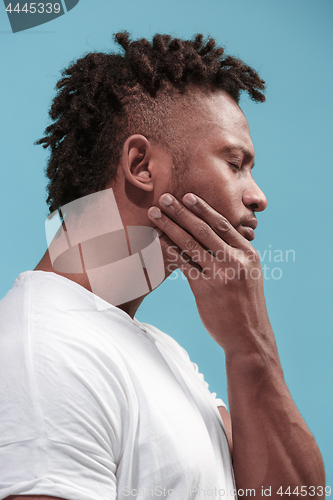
{"points": [[97, 406]]}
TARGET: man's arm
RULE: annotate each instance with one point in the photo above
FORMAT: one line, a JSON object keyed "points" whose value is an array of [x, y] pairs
{"points": [[225, 415], [272, 446]]}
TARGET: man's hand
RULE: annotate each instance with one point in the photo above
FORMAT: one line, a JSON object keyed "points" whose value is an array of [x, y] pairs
{"points": [[224, 272]]}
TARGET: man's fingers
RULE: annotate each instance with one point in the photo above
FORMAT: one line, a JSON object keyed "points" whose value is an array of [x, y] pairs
{"points": [[199, 232], [179, 236], [198, 229], [220, 225]]}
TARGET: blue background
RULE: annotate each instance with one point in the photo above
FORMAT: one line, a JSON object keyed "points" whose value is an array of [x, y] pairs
{"points": [[290, 43]]}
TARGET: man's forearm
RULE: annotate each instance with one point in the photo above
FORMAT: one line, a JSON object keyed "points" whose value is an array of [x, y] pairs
{"points": [[272, 446]]}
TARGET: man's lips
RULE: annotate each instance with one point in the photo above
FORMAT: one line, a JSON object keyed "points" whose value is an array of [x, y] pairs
{"points": [[250, 223], [247, 228]]}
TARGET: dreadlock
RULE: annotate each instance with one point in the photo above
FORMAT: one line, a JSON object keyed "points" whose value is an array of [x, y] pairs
{"points": [[104, 98]]}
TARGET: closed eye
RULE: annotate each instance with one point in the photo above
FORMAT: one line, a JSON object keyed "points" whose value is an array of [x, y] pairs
{"points": [[237, 167]]}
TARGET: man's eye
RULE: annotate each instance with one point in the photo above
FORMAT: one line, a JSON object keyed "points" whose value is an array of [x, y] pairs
{"points": [[235, 166]]}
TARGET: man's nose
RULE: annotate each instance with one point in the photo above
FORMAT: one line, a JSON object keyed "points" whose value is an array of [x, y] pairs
{"points": [[254, 198]]}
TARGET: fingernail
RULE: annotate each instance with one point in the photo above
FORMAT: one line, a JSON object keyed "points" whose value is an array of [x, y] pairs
{"points": [[154, 212], [166, 200], [189, 199]]}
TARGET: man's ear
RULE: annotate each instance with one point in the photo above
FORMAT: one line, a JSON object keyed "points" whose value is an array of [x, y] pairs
{"points": [[136, 162]]}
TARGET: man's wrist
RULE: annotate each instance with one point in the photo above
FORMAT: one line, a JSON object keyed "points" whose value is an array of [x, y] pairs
{"points": [[254, 359]]}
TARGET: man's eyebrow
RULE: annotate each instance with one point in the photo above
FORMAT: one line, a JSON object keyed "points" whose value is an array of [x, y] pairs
{"points": [[247, 154]]}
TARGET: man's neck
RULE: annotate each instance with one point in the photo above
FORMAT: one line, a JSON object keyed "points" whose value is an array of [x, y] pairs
{"points": [[81, 279]]}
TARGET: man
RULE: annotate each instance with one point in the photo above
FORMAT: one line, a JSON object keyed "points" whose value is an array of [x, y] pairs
{"points": [[103, 406]]}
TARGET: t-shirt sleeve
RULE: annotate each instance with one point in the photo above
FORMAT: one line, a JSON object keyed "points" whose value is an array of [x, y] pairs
{"points": [[217, 401], [64, 412]]}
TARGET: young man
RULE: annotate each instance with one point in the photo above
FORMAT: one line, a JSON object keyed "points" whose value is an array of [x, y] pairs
{"points": [[98, 405]]}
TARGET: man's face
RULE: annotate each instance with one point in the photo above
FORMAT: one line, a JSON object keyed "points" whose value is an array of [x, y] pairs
{"points": [[219, 163]]}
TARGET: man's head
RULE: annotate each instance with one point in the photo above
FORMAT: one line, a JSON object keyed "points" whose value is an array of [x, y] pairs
{"points": [[156, 91]]}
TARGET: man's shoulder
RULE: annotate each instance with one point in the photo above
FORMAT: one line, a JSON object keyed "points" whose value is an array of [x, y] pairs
{"points": [[57, 320], [54, 360]]}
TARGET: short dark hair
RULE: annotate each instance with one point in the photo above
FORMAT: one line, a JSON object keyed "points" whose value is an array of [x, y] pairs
{"points": [[97, 93]]}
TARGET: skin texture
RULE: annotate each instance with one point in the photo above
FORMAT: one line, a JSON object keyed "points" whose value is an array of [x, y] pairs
{"points": [[270, 441]]}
